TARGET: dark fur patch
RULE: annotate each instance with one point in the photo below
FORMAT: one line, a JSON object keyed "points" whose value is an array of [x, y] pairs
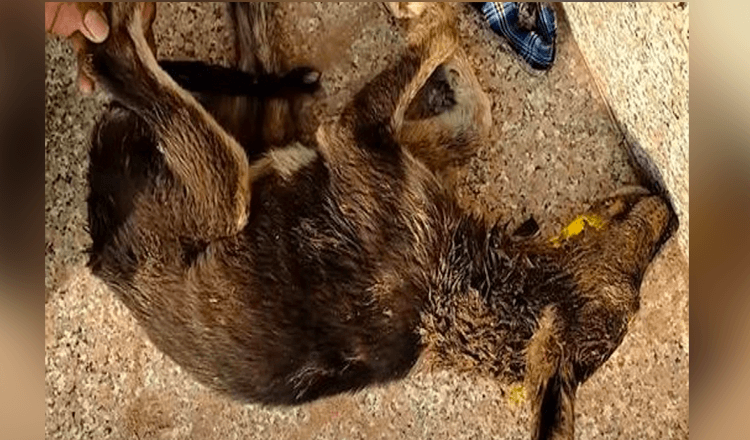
{"points": [[123, 163], [310, 268]]}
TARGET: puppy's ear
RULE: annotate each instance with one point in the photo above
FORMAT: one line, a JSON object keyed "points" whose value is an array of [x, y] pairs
{"points": [[550, 382], [552, 409]]}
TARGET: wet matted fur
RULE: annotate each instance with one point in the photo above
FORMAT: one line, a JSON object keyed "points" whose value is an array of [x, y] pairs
{"points": [[284, 274]]}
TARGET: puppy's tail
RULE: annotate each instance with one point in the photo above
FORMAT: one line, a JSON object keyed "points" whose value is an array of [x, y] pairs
{"points": [[258, 40]]}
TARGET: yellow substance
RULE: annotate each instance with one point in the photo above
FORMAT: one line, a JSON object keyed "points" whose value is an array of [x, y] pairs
{"points": [[517, 395], [576, 227]]}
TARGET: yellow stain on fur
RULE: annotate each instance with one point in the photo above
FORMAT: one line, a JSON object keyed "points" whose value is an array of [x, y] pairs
{"points": [[576, 227], [517, 395]]}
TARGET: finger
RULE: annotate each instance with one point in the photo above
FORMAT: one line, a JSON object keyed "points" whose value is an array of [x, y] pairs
{"points": [[85, 84], [65, 19], [50, 14], [94, 25], [86, 80], [78, 41]]}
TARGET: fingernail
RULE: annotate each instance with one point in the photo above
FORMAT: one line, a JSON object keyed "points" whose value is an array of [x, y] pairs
{"points": [[96, 25]]}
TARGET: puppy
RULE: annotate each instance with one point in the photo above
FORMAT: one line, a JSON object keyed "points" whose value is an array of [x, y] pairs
{"points": [[322, 268]]}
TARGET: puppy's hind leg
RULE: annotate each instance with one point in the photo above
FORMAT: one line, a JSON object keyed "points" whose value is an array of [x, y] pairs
{"points": [[453, 135], [210, 167], [377, 111], [260, 100]]}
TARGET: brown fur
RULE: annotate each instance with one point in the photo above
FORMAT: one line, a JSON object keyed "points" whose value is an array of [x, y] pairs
{"points": [[443, 120], [405, 10], [450, 137], [353, 260], [189, 138], [256, 42], [546, 372]]}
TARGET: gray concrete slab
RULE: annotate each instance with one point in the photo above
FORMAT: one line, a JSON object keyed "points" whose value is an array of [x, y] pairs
{"points": [[553, 150]]}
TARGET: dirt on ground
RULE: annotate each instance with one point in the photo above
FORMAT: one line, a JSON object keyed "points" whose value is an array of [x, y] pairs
{"points": [[553, 150]]}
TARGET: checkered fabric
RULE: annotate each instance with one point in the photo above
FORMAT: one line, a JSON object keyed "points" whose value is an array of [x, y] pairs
{"points": [[536, 47]]}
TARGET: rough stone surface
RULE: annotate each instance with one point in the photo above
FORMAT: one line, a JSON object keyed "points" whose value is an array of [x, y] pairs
{"points": [[553, 150], [638, 54]]}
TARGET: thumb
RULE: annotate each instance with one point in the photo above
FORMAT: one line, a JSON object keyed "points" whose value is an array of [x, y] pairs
{"points": [[95, 26]]}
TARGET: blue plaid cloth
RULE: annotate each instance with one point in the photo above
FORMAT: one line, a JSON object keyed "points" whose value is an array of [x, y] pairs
{"points": [[536, 47]]}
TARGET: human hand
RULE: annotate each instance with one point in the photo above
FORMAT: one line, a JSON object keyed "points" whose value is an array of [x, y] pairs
{"points": [[82, 21], [77, 21]]}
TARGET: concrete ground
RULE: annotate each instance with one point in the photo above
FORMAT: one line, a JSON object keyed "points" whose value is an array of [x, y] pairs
{"points": [[638, 56], [553, 150]]}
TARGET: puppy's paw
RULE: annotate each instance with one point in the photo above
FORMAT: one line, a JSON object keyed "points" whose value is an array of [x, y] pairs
{"points": [[302, 80], [406, 10]]}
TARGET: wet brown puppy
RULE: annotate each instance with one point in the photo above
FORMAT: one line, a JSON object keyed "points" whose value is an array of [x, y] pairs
{"points": [[321, 268]]}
